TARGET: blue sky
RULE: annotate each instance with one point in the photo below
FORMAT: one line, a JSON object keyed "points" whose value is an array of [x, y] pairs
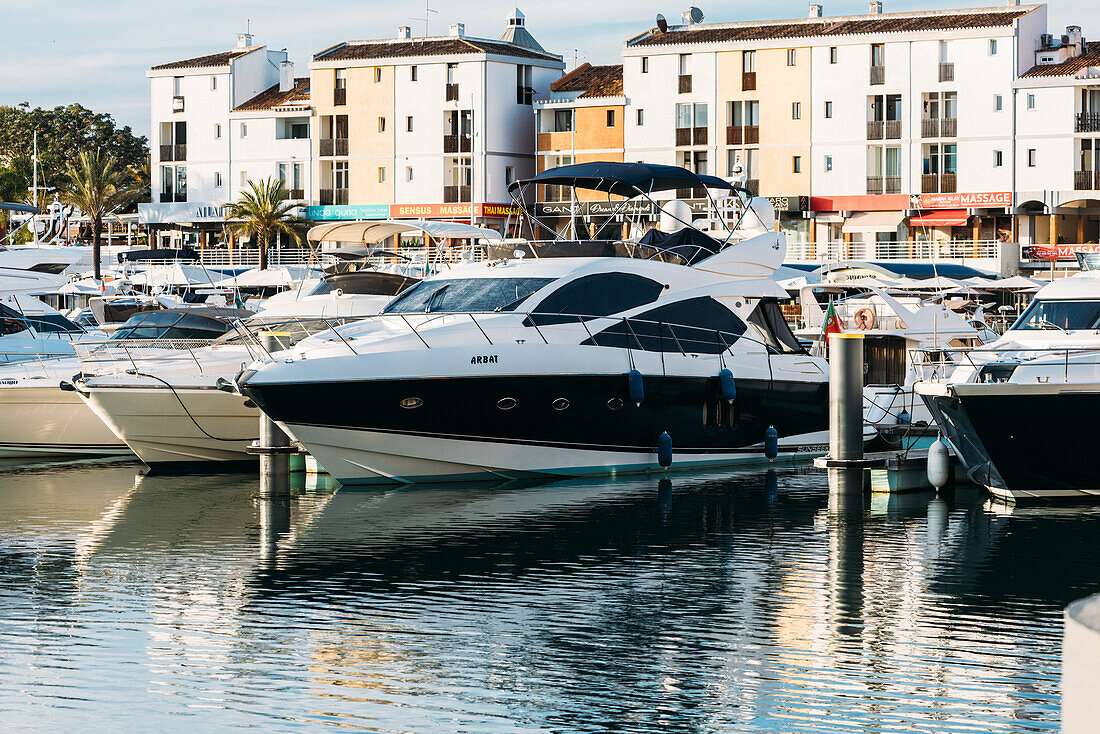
{"points": [[96, 51]]}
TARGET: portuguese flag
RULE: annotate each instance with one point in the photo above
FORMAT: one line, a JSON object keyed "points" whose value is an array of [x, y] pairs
{"points": [[833, 324]]}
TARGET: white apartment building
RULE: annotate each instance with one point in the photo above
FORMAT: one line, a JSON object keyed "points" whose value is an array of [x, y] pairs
{"points": [[192, 148]]}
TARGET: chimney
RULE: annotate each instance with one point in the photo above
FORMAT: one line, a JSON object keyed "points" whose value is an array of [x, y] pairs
{"points": [[286, 76], [1074, 34], [875, 7], [815, 10], [244, 40], [404, 32], [458, 30]]}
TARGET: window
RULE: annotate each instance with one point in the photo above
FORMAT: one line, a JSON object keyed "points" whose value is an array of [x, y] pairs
{"points": [[689, 115], [1031, 101], [377, 74], [217, 132], [451, 69], [796, 164], [796, 110], [685, 64], [409, 124], [832, 54], [1031, 157], [244, 130], [214, 83], [696, 325], [791, 57], [998, 158], [640, 117], [828, 163], [340, 175], [412, 73], [381, 174], [878, 54], [998, 103], [217, 179], [177, 86], [828, 110], [943, 52], [769, 321], [595, 295], [992, 46], [744, 113], [381, 124], [409, 173], [509, 175], [297, 182], [244, 179], [743, 162], [611, 118], [695, 161], [282, 169], [464, 295], [1047, 314], [748, 61], [563, 121], [645, 64]]}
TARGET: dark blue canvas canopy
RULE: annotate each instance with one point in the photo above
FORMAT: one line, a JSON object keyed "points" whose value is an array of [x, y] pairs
{"points": [[624, 179]]}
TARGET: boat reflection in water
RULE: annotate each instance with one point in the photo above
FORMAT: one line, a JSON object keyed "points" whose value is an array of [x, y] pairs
{"points": [[743, 601]]}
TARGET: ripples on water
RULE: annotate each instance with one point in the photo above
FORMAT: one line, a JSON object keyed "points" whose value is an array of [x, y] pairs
{"points": [[734, 602]]}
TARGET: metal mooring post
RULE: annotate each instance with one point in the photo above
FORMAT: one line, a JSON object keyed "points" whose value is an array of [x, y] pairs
{"points": [[273, 446], [846, 397]]}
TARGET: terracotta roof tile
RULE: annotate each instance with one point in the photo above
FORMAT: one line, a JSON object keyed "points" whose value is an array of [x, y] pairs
{"points": [[219, 59], [1069, 67], [365, 50], [886, 23], [592, 81], [271, 98]]}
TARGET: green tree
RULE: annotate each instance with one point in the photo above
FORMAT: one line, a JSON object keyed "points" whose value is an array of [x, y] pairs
{"points": [[98, 187], [13, 189], [264, 212]]}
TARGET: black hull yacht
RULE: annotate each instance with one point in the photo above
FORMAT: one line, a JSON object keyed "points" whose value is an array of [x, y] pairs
{"points": [[562, 365]]}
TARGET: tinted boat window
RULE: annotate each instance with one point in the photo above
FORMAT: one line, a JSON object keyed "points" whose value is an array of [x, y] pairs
{"points": [[476, 295], [596, 295], [777, 332], [364, 284], [697, 325], [1068, 315]]}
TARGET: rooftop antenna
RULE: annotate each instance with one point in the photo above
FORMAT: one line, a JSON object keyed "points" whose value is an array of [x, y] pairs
{"points": [[662, 24], [577, 55], [428, 10]]}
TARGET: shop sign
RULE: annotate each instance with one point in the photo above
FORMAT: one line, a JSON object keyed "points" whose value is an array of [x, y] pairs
{"points": [[960, 201], [788, 203], [496, 210], [348, 211], [181, 212], [450, 211], [1060, 252], [595, 208]]}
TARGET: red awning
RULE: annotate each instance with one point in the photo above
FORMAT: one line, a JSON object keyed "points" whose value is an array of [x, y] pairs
{"points": [[941, 218]]}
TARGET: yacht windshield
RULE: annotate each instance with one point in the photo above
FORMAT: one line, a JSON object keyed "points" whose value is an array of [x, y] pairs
{"points": [[1064, 315], [474, 295]]}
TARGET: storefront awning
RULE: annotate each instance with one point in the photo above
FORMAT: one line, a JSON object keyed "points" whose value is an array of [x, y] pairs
{"points": [[873, 222], [941, 218]]}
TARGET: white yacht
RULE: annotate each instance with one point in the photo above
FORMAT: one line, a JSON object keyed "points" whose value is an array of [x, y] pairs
{"points": [[557, 365], [1017, 411]]}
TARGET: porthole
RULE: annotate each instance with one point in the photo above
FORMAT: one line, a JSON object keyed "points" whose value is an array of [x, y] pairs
{"points": [[615, 403], [506, 403], [560, 403], [410, 403]]}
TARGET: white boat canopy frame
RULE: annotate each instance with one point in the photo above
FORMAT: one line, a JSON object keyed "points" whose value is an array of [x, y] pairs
{"points": [[374, 232]]}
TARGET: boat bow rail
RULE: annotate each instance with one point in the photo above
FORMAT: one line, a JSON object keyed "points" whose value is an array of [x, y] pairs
{"points": [[1051, 365]]}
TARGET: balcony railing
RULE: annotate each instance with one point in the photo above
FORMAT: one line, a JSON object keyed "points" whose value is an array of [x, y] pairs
{"points": [[878, 75], [170, 153], [297, 194], [455, 194], [874, 184], [168, 196], [457, 143], [875, 129], [930, 127], [949, 127], [340, 96], [685, 84], [752, 134], [891, 184], [733, 135], [748, 81], [753, 186], [1087, 122], [959, 251], [947, 71], [177, 104], [699, 136], [742, 134], [1086, 180], [683, 136], [452, 92], [937, 183], [893, 129], [334, 146], [331, 197], [693, 193]]}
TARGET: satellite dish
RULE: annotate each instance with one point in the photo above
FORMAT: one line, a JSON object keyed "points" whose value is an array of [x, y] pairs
{"points": [[662, 24], [696, 14]]}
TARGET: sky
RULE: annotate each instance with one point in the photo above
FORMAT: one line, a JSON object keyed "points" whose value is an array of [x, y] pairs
{"points": [[96, 52]]}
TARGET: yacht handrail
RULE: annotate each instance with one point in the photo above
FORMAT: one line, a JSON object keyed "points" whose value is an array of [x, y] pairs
{"points": [[943, 361]]}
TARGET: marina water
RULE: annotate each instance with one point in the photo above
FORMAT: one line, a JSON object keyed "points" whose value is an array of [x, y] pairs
{"points": [[727, 602]]}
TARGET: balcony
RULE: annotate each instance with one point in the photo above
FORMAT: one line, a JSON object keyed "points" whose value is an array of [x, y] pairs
{"points": [[893, 129], [753, 186], [1087, 123], [949, 127], [742, 134], [457, 143], [297, 194], [334, 146], [752, 134], [891, 184], [733, 134], [875, 129], [683, 136], [167, 197], [456, 194], [170, 153], [699, 136], [694, 193], [177, 104], [331, 197], [1086, 180], [878, 75], [452, 92], [340, 96], [685, 84], [874, 184], [941, 183], [930, 127], [947, 71], [748, 81]]}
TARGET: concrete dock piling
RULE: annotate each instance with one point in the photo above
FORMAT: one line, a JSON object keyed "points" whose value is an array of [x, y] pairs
{"points": [[273, 445], [846, 397]]}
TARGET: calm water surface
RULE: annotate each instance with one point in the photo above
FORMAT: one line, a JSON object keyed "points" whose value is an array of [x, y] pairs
{"points": [[736, 602]]}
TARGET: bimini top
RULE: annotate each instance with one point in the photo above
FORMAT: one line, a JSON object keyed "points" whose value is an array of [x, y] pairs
{"points": [[624, 179], [373, 232]]}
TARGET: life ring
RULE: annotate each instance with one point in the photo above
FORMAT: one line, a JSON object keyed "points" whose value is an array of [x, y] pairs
{"points": [[864, 318]]}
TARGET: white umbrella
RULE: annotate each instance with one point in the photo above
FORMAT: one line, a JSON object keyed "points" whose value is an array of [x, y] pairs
{"points": [[171, 275], [284, 276], [938, 283], [1017, 283]]}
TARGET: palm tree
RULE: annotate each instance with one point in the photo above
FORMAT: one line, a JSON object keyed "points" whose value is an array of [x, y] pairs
{"points": [[13, 189], [264, 211], [97, 187]]}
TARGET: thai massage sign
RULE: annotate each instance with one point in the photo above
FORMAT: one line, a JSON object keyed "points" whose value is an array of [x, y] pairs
{"points": [[960, 201]]}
